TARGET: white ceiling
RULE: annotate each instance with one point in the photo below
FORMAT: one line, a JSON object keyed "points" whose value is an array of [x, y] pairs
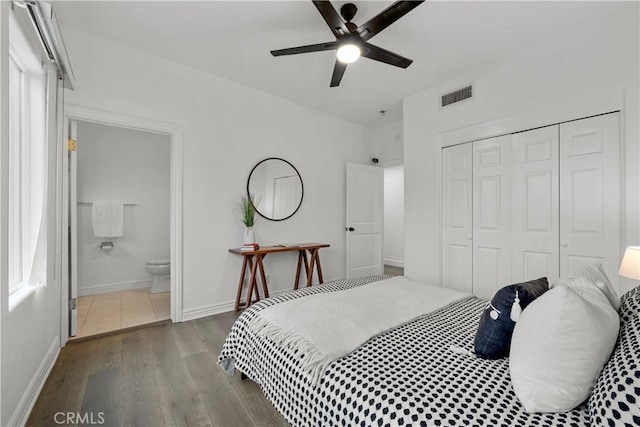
{"points": [[232, 39]]}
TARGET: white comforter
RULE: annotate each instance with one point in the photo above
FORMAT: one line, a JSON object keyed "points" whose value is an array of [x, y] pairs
{"points": [[325, 327]]}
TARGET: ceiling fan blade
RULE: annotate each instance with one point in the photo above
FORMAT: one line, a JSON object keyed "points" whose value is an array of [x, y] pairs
{"points": [[387, 17], [338, 72], [379, 54], [304, 49], [332, 18]]}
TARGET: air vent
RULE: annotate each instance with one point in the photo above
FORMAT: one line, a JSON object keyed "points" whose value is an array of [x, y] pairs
{"points": [[456, 96]]}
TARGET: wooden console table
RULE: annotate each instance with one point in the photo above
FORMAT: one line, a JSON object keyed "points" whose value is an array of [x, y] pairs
{"points": [[252, 260]]}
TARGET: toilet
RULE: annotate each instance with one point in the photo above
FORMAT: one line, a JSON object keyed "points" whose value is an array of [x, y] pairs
{"points": [[160, 269]]}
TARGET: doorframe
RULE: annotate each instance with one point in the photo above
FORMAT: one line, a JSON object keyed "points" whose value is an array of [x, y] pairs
{"points": [[86, 114]]}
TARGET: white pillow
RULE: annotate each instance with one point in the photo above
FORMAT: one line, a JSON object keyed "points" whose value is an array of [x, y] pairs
{"points": [[560, 344], [595, 273]]}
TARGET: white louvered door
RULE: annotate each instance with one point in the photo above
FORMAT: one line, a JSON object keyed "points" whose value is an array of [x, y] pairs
{"points": [[535, 215], [457, 267]]}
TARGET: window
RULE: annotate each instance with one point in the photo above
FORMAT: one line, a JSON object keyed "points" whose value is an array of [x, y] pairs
{"points": [[16, 118], [27, 158]]}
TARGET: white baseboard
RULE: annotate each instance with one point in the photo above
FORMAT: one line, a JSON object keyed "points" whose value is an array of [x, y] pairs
{"points": [[394, 263], [210, 310], [28, 399], [113, 287]]}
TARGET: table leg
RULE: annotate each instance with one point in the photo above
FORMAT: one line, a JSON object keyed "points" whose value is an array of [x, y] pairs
{"points": [[295, 284], [318, 266], [241, 283], [306, 263], [310, 271], [253, 285], [263, 277]]}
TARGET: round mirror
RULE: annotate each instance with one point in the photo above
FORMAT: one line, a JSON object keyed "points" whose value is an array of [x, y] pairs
{"points": [[275, 188]]}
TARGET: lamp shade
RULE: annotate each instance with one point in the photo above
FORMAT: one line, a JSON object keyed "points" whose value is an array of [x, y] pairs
{"points": [[630, 266]]}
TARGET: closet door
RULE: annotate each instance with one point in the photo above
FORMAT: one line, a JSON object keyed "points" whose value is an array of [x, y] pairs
{"points": [[535, 204], [457, 217], [590, 194], [491, 215]]}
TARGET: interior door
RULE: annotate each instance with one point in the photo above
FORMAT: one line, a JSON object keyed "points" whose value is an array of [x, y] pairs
{"points": [[491, 215], [535, 204], [73, 228], [457, 218], [590, 194], [364, 222]]}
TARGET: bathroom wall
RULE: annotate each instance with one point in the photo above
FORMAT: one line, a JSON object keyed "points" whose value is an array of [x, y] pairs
{"points": [[134, 167]]}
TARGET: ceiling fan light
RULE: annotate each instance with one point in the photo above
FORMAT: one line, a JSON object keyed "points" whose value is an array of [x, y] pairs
{"points": [[348, 53]]}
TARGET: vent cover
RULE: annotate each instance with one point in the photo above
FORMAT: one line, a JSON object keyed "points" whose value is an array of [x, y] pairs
{"points": [[456, 96]]}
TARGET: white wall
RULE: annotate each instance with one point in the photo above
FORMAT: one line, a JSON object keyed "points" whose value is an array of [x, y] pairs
{"points": [[387, 141], [549, 81], [134, 167], [227, 129], [394, 215]]}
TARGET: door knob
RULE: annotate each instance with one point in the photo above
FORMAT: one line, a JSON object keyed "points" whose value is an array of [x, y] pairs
{"points": [[564, 244], [469, 237], [350, 229]]}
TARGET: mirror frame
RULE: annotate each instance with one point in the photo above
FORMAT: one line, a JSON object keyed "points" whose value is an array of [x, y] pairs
{"points": [[301, 188]]}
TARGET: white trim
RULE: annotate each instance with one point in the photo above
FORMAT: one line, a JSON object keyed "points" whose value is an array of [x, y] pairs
{"points": [[113, 287], [224, 307], [73, 227], [207, 310], [28, 399], [174, 131], [394, 263]]}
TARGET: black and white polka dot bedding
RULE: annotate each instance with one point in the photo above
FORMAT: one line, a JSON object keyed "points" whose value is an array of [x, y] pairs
{"points": [[405, 377], [615, 399]]}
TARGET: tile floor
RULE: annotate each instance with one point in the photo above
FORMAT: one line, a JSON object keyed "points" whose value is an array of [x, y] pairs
{"points": [[119, 310]]}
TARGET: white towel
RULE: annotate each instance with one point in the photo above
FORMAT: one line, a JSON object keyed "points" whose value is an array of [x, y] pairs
{"points": [[108, 219]]}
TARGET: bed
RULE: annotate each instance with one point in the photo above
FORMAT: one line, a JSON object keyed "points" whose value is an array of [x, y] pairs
{"points": [[406, 376]]}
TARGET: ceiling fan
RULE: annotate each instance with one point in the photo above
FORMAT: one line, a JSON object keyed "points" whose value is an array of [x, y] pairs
{"points": [[351, 40]]}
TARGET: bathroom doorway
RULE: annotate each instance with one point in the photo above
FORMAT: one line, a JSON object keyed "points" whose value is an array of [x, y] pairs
{"points": [[123, 278]]}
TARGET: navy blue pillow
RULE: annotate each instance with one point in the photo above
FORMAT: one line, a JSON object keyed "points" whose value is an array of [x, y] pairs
{"points": [[493, 338]]}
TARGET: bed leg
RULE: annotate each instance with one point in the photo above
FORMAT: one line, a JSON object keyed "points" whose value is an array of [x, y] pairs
{"points": [[243, 376]]}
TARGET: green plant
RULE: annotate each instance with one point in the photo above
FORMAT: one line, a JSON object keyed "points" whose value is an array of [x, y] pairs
{"points": [[248, 209]]}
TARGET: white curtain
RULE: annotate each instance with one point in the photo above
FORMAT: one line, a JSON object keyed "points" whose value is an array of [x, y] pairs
{"points": [[38, 272]]}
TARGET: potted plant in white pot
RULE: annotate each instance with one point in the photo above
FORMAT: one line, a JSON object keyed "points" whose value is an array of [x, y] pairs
{"points": [[248, 209]]}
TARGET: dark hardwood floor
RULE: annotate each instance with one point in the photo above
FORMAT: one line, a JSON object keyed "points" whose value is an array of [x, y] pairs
{"points": [[393, 271], [160, 375]]}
